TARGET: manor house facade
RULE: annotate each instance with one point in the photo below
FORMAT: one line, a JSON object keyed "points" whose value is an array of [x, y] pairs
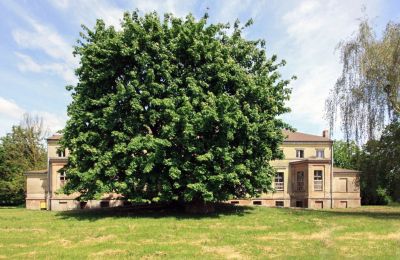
{"points": [[305, 178]]}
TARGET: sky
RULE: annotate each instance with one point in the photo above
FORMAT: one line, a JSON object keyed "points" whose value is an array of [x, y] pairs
{"points": [[37, 39]]}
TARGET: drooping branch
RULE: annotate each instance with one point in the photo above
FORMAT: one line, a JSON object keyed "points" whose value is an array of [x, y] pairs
{"points": [[366, 95]]}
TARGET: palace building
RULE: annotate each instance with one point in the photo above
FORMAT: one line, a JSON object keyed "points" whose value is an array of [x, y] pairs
{"points": [[305, 178]]}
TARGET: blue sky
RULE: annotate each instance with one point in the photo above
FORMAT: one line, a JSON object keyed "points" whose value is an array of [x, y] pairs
{"points": [[36, 39]]}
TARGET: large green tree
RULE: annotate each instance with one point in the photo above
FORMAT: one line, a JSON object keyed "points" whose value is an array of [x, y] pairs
{"points": [[173, 110], [21, 150]]}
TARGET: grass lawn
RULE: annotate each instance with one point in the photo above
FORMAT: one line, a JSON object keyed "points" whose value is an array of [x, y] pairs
{"points": [[249, 232]]}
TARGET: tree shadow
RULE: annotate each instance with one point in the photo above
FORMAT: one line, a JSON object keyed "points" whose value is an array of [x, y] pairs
{"points": [[376, 213], [154, 212]]}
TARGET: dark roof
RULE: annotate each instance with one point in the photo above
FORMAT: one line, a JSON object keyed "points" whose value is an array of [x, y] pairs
{"points": [[342, 170], [301, 137], [55, 137]]}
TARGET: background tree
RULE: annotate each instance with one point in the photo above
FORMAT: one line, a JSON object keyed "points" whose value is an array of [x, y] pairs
{"points": [[21, 150], [366, 98], [367, 94], [381, 167], [173, 110], [346, 155]]}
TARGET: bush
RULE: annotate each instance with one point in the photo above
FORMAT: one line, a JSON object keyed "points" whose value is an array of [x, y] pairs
{"points": [[382, 197]]}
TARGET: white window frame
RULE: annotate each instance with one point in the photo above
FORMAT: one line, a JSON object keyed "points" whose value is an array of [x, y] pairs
{"points": [[318, 180], [279, 181], [320, 153], [61, 153], [298, 153], [62, 177]]}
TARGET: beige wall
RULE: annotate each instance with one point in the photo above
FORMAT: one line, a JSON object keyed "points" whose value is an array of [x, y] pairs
{"points": [[36, 188], [310, 150], [52, 147], [346, 190]]}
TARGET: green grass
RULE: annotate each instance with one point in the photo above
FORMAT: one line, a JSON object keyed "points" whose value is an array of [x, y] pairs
{"points": [[257, 232]]}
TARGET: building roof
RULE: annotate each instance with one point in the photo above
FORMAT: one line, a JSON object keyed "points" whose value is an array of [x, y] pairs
{"points": [[342, 170], [54, 137], [302, 137]]}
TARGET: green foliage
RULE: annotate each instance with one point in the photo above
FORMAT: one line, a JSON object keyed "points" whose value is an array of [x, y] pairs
{"points": [[20, 151], [346, 155], [173, 110], [380, 166], [382, 197]]}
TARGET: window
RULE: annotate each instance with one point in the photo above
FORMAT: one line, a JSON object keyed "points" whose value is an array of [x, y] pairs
{"points": [[300, 181], [318, 181], [61, 153], [279, 203], [127, 203], [62, 177], [320, 154], [234, 202], [299, 153], [299, 204], [83, 204], [104, 204], [279, 181], [257, 202]]}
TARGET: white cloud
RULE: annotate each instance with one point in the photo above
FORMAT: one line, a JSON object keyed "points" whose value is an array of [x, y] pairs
{"points": [[9, 109], [86, 12], [62, 69], [44, 38], [313, 30], [11, 114], [48, 41]]}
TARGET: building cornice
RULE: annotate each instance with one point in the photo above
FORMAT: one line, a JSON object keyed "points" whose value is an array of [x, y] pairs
{"points": [[313, 161]]}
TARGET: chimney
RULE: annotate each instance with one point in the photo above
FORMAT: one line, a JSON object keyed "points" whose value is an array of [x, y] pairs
{"points": [[325, 133]]}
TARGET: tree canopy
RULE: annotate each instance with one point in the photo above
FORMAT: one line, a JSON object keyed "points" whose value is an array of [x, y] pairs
{"points": [[367, 94], [173, 109]]}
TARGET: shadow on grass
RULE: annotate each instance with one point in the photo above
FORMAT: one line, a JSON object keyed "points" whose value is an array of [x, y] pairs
{"points": [[153, 212], [376, 212], [381, 213]]}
